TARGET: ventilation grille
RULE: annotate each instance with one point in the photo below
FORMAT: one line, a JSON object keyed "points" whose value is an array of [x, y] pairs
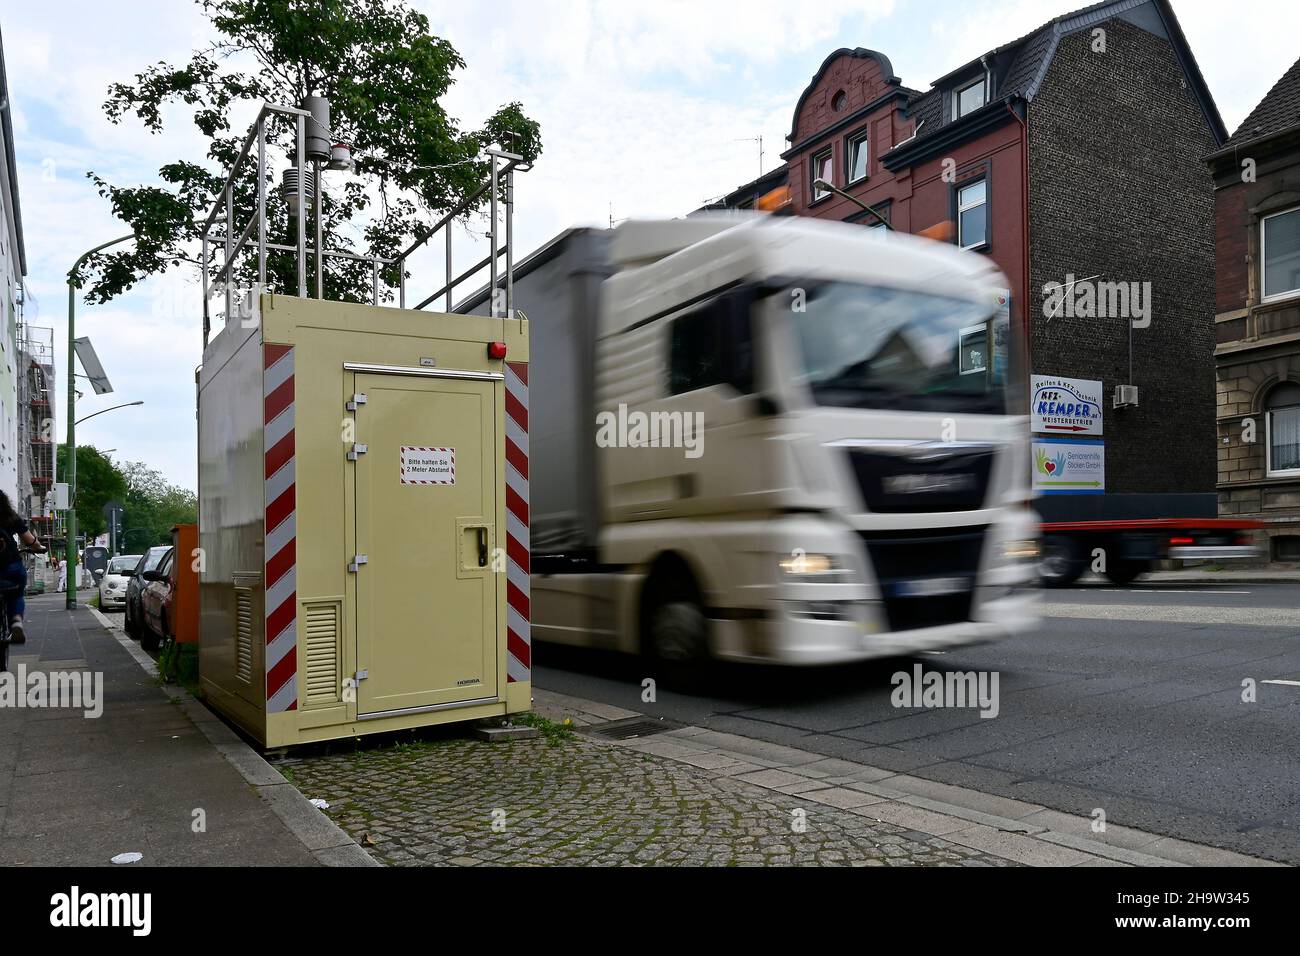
{"points": [[244, 634], [322, 625]]}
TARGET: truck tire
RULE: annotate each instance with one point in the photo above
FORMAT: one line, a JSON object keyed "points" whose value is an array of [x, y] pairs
{"points": [[1061, 562], [1126, 571], [678, 633]]}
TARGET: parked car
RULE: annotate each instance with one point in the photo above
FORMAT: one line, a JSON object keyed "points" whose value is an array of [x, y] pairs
{"points": [[156, 601], [118, 574], [134, 623]]}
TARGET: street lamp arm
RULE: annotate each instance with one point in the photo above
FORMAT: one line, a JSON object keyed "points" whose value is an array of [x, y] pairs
{"points": [[76, 266], [103, 410], [832, 188]]}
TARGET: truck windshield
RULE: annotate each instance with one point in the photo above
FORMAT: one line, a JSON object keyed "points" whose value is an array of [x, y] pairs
{"points": [[876, 347]]}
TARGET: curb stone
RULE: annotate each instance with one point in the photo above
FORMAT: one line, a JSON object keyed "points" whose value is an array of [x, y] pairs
{"points": [[322, 837]]}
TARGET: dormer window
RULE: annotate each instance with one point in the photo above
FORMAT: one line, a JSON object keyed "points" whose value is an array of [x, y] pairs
{"points": [[969, 98]]}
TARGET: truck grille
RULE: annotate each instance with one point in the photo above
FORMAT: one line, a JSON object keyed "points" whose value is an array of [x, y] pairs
{"points": [[927, 578], [924, 479]]}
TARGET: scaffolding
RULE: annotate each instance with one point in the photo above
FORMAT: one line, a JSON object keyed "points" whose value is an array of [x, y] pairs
{"points": [[36, 462]]}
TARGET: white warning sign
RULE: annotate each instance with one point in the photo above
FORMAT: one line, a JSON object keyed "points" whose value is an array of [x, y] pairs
{"points": [[423, 465]]}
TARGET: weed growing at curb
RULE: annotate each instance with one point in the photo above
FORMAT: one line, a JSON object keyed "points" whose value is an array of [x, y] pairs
{"points": [[555, 733]]}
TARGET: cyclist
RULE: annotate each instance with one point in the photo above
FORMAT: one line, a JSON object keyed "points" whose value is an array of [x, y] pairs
{"points": [[13, 573]]}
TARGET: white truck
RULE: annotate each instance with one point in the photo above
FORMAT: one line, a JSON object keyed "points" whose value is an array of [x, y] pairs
{"points": [[774, 440]]}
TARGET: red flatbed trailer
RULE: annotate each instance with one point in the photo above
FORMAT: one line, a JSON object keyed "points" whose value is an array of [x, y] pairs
{"points": [[1123, 549]]}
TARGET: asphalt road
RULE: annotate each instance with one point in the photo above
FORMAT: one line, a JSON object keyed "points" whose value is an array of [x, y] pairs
{"points": [[1125, 699]]}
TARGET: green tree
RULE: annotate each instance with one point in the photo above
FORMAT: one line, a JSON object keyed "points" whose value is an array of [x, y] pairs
{"points": [[384, 75], [98, 482], [152, 506]]}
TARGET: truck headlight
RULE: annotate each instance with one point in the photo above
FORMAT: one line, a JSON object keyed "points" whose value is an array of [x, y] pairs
{"points": [[1025, 549], [801, 563]]}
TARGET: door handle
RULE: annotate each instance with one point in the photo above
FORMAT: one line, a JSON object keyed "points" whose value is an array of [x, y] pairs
{"points": [[482, 548]]}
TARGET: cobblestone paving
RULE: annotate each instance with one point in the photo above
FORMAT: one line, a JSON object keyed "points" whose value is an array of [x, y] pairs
{"points": [[464, 802]]}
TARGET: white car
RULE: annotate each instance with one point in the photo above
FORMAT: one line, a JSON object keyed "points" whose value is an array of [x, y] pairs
{"points": [[112, 586]]}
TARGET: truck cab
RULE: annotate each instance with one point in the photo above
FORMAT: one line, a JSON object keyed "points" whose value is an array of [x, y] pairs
{"points": [[805, 449]]}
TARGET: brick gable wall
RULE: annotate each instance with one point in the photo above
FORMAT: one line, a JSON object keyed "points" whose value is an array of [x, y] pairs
{"points": [[1119, 187]]}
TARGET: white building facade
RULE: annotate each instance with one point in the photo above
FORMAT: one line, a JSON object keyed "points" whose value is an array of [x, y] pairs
{"points": [[13, 266]]}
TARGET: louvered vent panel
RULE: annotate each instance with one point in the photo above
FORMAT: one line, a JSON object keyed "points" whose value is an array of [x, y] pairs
{"points": [[244, 634], [322, 627]]}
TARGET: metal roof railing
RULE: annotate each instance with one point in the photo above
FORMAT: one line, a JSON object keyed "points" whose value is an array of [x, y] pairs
{"points": [[227, 246]]}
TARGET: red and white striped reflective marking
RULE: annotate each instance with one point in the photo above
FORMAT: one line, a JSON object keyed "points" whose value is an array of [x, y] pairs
{"points": [[519, 641], [280, 578]]}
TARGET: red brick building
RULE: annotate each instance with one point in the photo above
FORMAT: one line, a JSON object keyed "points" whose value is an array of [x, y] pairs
{"points": [[1076, 150], [1257, 320]]}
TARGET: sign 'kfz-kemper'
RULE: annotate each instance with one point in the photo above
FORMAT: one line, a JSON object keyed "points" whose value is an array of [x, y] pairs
{"points": [[426, 465], [1064, 406]]}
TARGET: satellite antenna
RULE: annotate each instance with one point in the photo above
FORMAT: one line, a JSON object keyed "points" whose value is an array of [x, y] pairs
{"points": [[90, 362]]}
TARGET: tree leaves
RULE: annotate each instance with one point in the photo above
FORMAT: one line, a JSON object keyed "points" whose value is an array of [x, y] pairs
{"points": [[384, 75]]}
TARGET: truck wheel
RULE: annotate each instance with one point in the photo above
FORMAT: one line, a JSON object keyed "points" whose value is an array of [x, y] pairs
{"points": [[1126, 572], [1060, 564], [678, 633]]}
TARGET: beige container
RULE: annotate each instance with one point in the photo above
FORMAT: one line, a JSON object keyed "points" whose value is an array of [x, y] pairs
{"points": [[363, 519]]}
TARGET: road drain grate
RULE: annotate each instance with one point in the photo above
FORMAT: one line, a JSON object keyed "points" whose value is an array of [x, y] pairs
{"points": [[631, 727]]}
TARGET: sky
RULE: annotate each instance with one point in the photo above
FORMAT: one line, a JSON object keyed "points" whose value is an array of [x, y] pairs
{"points": [[647, 109]]}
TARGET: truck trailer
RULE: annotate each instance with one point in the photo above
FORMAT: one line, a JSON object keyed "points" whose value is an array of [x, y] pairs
{"points": [[772, 440]]}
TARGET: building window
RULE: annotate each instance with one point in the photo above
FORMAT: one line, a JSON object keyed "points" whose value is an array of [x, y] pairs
{"points": [[972, 350], [855, 155], [839, 101], [1283, 418], [1280, 254], [822, 168], [1286, 547], [968, 98], [972, 215]]}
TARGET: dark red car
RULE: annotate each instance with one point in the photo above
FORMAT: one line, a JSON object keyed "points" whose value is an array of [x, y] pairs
{"points": [[156, 601]]}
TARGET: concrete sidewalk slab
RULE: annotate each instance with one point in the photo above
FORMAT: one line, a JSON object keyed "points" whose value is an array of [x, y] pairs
{"points": [[155, 772], [1013, 830]]}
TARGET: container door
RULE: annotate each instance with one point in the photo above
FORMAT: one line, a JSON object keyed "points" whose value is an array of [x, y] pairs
{"points": [[425, 500]]}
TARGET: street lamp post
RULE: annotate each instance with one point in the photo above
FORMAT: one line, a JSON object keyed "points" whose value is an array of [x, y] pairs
{"points": [[829, 187], [70, 556]]}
